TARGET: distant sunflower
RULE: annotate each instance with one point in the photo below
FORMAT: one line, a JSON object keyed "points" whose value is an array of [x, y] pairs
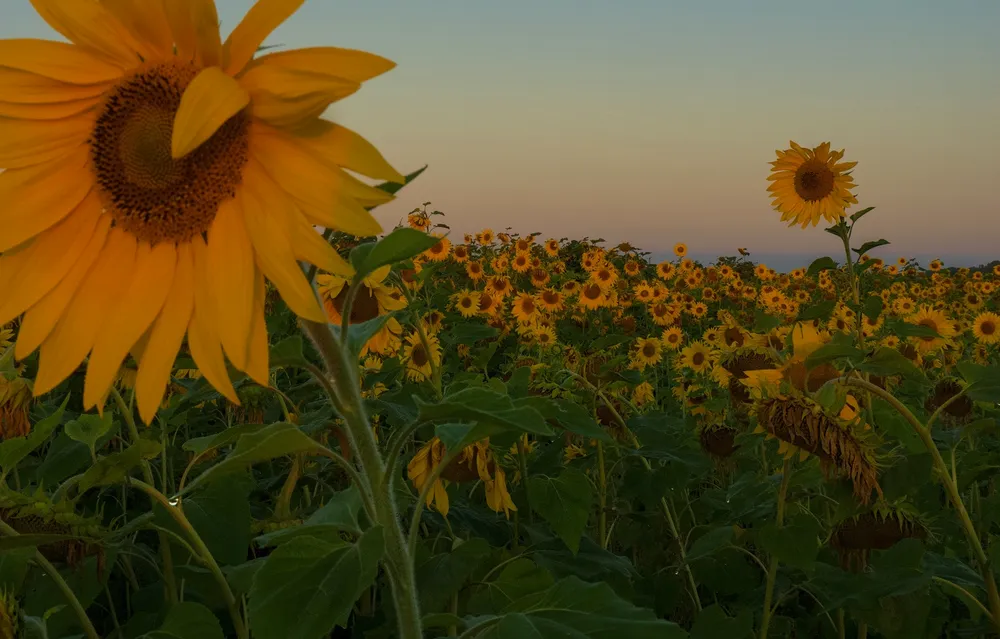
{"points": [[467, 303], [157, 175], [552, 247], [680, 249], [697, 357], [811, 184], [592, 296], [545, 336], [550, 299], [986, 328], [440, 251], [524, 308], [417, 358], [475, 271], [648, 352], [672, 338], [938, 322]]}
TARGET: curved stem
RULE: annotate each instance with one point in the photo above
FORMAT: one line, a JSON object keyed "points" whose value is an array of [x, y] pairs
{"points": [[50, 570], [772, 570], [169, 581], [347, 467], [951, 487], [204, 553], [342, 379], [969, 596]]}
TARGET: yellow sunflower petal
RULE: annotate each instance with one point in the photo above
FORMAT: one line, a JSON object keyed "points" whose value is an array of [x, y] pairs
{"points": [[341, 146], [39, 197], [56, 111], [146, 289], [25, 143], [350, 64], [40, 319], [90, 25], [22, 87], [263, 17], [268, 215], [75, 332], [203, 337], [147, 21], [206, 28], [47, 261], [288, 97], [57, 60], [208, 101], [229, 266], [165, 338], [257, 359], [180, 19], [309, 246]]}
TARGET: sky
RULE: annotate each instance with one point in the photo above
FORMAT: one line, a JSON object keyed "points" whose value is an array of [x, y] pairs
{"points": [[653, 121]]}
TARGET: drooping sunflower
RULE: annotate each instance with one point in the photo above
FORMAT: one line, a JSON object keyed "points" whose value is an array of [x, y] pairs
{"points": [[811, 184], [155, 174]]}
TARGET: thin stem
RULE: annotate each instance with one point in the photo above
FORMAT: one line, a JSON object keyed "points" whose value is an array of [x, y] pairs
{"points": [[951, 487], [50, 570], [602, 498], [968, 595], [204, 554], [166, 556], [772, 571], [522, 463]]}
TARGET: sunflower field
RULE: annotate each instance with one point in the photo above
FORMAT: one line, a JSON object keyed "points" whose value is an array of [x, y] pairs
{"points": [[233, 405]]}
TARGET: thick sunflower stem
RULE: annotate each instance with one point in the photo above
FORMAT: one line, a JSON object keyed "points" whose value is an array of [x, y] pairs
{"points": [[951, 487], [342, 373], [772, 570]]}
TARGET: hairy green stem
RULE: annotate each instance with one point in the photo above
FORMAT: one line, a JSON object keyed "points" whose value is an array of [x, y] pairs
{"points": [[343, 376]]}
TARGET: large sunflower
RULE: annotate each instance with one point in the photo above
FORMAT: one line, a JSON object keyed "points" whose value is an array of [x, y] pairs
{"points": [[154, 175], [809, 184]]}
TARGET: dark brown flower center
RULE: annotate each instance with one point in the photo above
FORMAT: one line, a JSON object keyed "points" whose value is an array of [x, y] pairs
{"points": [[987, 327], [148, 193], [814, 180]]}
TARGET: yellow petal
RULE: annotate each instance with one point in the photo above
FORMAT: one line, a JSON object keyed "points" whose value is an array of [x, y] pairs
{"points": [[257, 359], [148, 284], [94, 302], [203, 339], [90, 25], [268, 215], [21, 87], [180, 19], [340, 146], [309, 246], [208, 102], [49, 258], [206, 28], [263, 17], [55, 111], [350, 64], [39, 197], [147, 21], [165, 338], [29, 142], [57, 60], [288, 97], [41, 318], [229, 263]]}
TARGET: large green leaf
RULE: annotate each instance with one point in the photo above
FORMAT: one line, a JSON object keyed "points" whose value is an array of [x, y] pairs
{"points": [[15, 449], [340, 513], [401, 244], [221, 515], [575, 609], [309, 585], [116, 466], [490, 409], [713, 623], [564, 502], [188, 620]]}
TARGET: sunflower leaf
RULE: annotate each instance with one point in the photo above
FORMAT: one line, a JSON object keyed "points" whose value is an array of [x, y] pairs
{"points": [[764, 323], [401, 244], [857, 215], [188, 620], [288, 353], [15, 449], [867, 246], [819, 310], [394, 187], [564, 502], [821, 264], [889, 361]]}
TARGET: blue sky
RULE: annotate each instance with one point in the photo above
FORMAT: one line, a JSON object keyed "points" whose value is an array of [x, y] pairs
{"points": [[653, 120]]}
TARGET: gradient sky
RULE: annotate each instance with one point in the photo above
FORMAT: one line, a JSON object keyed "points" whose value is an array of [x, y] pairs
{"points": [[653, 120]]}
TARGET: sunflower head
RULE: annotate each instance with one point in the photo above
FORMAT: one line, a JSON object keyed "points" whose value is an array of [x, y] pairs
{"points": [[808, 185], [877, 528]]}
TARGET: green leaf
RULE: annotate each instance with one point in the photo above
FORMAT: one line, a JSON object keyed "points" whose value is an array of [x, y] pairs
{"points": [[359, 334], [603, 343], [710, 543], [903, 329], [857, 215], [309, 585], [984, 381], [87, 429], [277, 440], [575, 609], [113, 468], [469, 333], [564, 502], [394, 187], [188, 620], [288, 353], [519, 578], [872, 306], [32, 540], [795, 544], [568, 414], [198, 445], [713, 623], [821, 264], [834, 350], [867, 246], [221, 515], [401, 244], [446, 573], [889, 361], [15, 449], [819, 310], [486, 408], [764, 323], [339, 514]]}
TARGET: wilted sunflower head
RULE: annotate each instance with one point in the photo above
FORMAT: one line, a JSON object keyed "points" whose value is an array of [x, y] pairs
{"points": [[948, 393], [877, 528]]}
